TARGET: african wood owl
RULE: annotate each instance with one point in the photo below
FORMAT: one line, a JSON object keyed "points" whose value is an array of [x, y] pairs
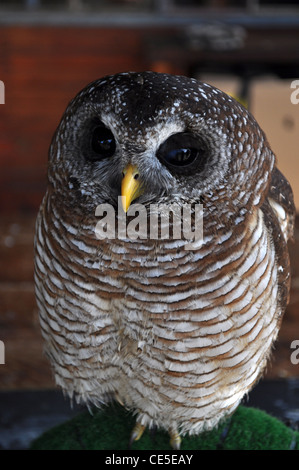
{"points": [[176, 335]]}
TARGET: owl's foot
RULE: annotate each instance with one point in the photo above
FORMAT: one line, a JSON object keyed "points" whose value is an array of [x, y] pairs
{"points": [[175, 439], [136, 433], [138, 430]]}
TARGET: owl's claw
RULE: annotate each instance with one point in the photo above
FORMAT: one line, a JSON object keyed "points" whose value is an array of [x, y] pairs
{"points": [[175, 439], [138, 430], [136, 433]]}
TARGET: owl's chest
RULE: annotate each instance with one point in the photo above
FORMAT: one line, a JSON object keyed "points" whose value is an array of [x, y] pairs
{"points": [[176, 294]]}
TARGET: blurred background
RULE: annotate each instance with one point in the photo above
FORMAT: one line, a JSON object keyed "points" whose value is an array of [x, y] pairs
{"points": [[49, 50]]}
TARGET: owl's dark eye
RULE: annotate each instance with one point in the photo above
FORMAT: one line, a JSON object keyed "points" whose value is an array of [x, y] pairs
{"points": [[102, 143], [181, 156], [183, 152]]}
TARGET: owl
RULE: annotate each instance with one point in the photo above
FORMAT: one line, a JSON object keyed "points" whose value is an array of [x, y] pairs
{"points": [[177, 332]]}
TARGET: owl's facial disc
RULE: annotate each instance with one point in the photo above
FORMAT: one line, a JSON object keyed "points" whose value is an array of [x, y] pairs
{"points": [[131, 186]]}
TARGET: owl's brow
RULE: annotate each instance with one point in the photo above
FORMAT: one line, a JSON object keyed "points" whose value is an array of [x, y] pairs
{"points": [[93, 108]]}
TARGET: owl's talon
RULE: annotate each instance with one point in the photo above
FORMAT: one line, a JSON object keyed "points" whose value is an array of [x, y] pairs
{"points": [[136, 433], [175, 440]]}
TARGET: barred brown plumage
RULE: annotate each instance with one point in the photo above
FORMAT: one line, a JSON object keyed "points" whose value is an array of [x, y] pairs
{"points": [[177, 335]]}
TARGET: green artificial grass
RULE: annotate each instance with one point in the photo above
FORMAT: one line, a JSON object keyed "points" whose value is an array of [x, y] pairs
{"points": [[110, 428]]}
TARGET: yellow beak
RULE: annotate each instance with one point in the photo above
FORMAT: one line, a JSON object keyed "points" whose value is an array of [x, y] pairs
{"points": [[131, 186]]}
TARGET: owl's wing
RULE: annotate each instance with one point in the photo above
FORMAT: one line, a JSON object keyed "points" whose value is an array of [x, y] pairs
{"points": [[279, 215], [281, 199]]}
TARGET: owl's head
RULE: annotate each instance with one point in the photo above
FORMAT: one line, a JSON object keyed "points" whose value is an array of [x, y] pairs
{"points": [[159, 138]]}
